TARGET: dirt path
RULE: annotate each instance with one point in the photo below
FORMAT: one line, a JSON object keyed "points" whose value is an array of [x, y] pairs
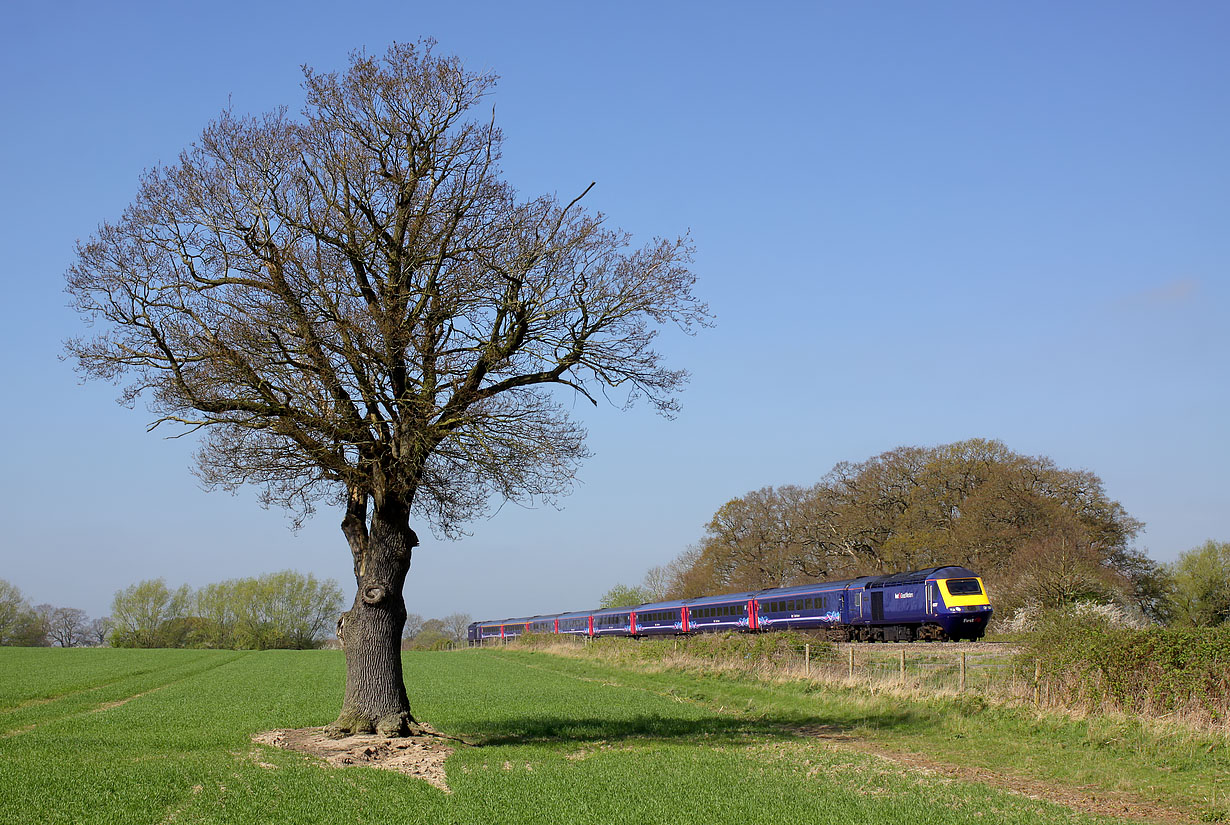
{"points": [[1085, 799]]}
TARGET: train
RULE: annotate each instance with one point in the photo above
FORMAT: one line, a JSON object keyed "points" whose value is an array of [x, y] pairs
{"points": [[946, 603]]}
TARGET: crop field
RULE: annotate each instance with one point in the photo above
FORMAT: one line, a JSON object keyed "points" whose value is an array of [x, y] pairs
{"points": [[165, 736]]}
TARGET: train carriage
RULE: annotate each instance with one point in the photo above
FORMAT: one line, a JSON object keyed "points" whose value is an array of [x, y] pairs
{"points": [[938, 603], [731, 611], [661, 618]]}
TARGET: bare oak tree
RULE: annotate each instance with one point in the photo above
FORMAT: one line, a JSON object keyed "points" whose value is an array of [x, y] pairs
{"points": [[355, 307]]}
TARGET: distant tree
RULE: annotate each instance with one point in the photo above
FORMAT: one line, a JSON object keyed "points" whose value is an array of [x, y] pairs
{"points": [[429, 639], [433, 626], [355, 307], [20, 626], [456, 626], [142, 613], [621, 595], [414, 624], [99, 631], [67, 626], [1201, 577], [657, 582]]}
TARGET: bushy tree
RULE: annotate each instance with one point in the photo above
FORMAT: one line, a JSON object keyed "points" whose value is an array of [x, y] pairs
{"points": [[622, 595], [1035, 531], [1201, 578], [67, 626], [20, 625], [456, 625], [143, 614], [98, 633], [355, 307]]}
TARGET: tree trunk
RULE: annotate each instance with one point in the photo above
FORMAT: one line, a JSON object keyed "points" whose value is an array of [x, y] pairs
{"points": [[370, 631]]}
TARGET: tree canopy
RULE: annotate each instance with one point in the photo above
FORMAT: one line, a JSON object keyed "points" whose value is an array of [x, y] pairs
{"points": [[1036, 531], [353, 305], [1201, 582]]}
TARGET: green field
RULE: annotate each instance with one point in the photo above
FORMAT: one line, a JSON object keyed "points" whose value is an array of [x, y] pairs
{"points": [[118, 736]]}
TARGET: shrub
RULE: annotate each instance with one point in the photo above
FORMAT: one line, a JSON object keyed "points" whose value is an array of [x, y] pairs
{"points": [[1157, 670]]}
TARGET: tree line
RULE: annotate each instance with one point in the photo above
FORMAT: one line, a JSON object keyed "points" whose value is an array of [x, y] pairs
{"points": [[45, 625], [435, 634], [275, 610], [1041, 536]]}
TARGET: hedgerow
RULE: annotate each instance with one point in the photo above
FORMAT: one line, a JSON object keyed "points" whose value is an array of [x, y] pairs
{"points": [[1152, 670]]}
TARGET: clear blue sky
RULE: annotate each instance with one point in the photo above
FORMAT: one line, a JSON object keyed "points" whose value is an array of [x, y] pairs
{"points": [[916, 223]]}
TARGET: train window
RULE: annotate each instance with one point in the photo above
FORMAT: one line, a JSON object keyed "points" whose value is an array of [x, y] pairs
{"points": [[964, 587]]}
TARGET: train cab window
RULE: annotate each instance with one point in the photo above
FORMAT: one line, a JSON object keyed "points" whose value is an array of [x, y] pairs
{"points": [[964, 587]]}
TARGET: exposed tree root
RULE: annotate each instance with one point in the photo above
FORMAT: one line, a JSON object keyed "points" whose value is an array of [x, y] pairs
{"points": [[420, 755]]}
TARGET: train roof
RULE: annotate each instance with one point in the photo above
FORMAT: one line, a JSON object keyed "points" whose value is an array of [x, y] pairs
{"points": [[721, 599]]}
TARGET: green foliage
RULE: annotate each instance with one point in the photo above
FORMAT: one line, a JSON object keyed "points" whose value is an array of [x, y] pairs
{"points": [[621, 595], [144, 612], [429, 640], [1201, 585], [20, 625], [276, 610], [1158, 670]]}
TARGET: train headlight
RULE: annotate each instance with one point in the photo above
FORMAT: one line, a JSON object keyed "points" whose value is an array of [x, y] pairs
{"points": [[955, 609]]}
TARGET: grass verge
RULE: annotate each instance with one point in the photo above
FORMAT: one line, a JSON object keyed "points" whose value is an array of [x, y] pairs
{"points": [[160, 737]]}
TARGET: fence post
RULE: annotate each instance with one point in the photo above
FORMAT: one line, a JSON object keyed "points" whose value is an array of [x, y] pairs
{"points": [[962, 688], [807, 660], [851, 661], [902, 651], [1038, 682]]}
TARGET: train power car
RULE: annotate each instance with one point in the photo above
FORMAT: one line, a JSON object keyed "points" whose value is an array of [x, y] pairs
{"points": [[935, 604]]}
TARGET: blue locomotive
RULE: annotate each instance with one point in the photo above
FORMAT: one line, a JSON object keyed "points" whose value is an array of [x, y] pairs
{"points": [[936, 604]]}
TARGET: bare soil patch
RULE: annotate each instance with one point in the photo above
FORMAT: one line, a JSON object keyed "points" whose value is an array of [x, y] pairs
{"points": [[421, 756]]}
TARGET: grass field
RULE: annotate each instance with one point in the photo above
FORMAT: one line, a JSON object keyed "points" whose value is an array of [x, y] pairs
{"points": [[120, 736]]}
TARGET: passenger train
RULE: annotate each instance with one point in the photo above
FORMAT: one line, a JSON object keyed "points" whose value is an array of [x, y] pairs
{"points": [[936, 604]]}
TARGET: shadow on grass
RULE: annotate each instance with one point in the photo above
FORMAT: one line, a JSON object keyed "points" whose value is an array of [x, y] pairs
{"points": [[650, 728]]}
